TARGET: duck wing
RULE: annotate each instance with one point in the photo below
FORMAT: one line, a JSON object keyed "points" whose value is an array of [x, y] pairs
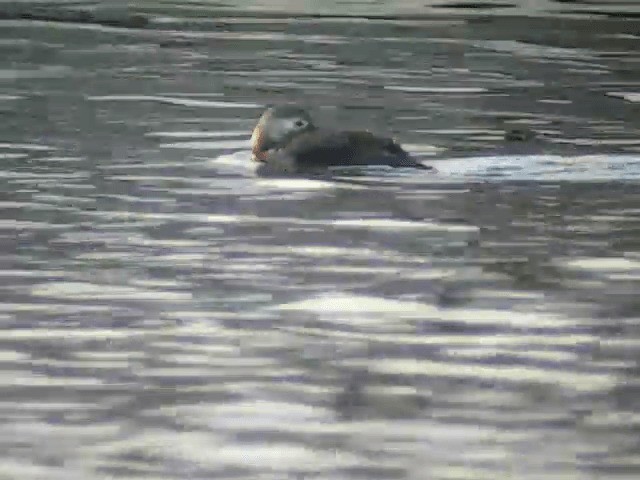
{"points": [[326, 148]]}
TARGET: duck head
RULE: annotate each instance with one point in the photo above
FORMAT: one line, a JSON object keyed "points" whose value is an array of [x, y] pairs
{"points": [[278, 126]]}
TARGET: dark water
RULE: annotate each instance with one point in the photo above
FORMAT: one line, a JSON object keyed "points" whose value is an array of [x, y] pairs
{"points": [[168, 314]]}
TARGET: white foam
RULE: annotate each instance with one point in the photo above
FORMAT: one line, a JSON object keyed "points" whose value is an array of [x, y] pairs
{"points": [[238, 162], [295, 184], [493, 167], [541, 167]]}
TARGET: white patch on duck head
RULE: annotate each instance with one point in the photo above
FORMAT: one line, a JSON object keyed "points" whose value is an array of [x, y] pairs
{"points": [[280, 129]]}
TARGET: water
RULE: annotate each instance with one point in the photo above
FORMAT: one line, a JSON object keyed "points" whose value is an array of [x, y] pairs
{"points": [[166, 313]]}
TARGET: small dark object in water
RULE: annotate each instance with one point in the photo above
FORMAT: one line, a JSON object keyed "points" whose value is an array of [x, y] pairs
{"points": [[518, 135]]}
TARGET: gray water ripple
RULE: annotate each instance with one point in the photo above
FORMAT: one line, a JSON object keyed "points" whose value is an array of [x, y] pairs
{"points": [[167, 313]]}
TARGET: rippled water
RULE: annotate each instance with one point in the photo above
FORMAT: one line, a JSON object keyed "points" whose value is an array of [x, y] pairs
{"points": [[167, 313]]}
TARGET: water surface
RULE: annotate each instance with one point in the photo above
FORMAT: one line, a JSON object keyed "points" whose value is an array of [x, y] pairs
{"points": [[166, 313]]}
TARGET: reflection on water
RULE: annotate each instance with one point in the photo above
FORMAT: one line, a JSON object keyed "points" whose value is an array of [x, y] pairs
{"points": [[167, 313]]}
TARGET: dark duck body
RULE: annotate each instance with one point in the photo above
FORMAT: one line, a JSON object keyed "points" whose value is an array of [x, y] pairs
{"points": [[286, 140]]}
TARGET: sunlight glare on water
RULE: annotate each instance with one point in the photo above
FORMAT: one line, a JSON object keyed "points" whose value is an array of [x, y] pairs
{"points": [[168, 312]]}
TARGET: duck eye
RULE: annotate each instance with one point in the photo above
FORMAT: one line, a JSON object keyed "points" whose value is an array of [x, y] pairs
{"points": [[300, 123]]}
